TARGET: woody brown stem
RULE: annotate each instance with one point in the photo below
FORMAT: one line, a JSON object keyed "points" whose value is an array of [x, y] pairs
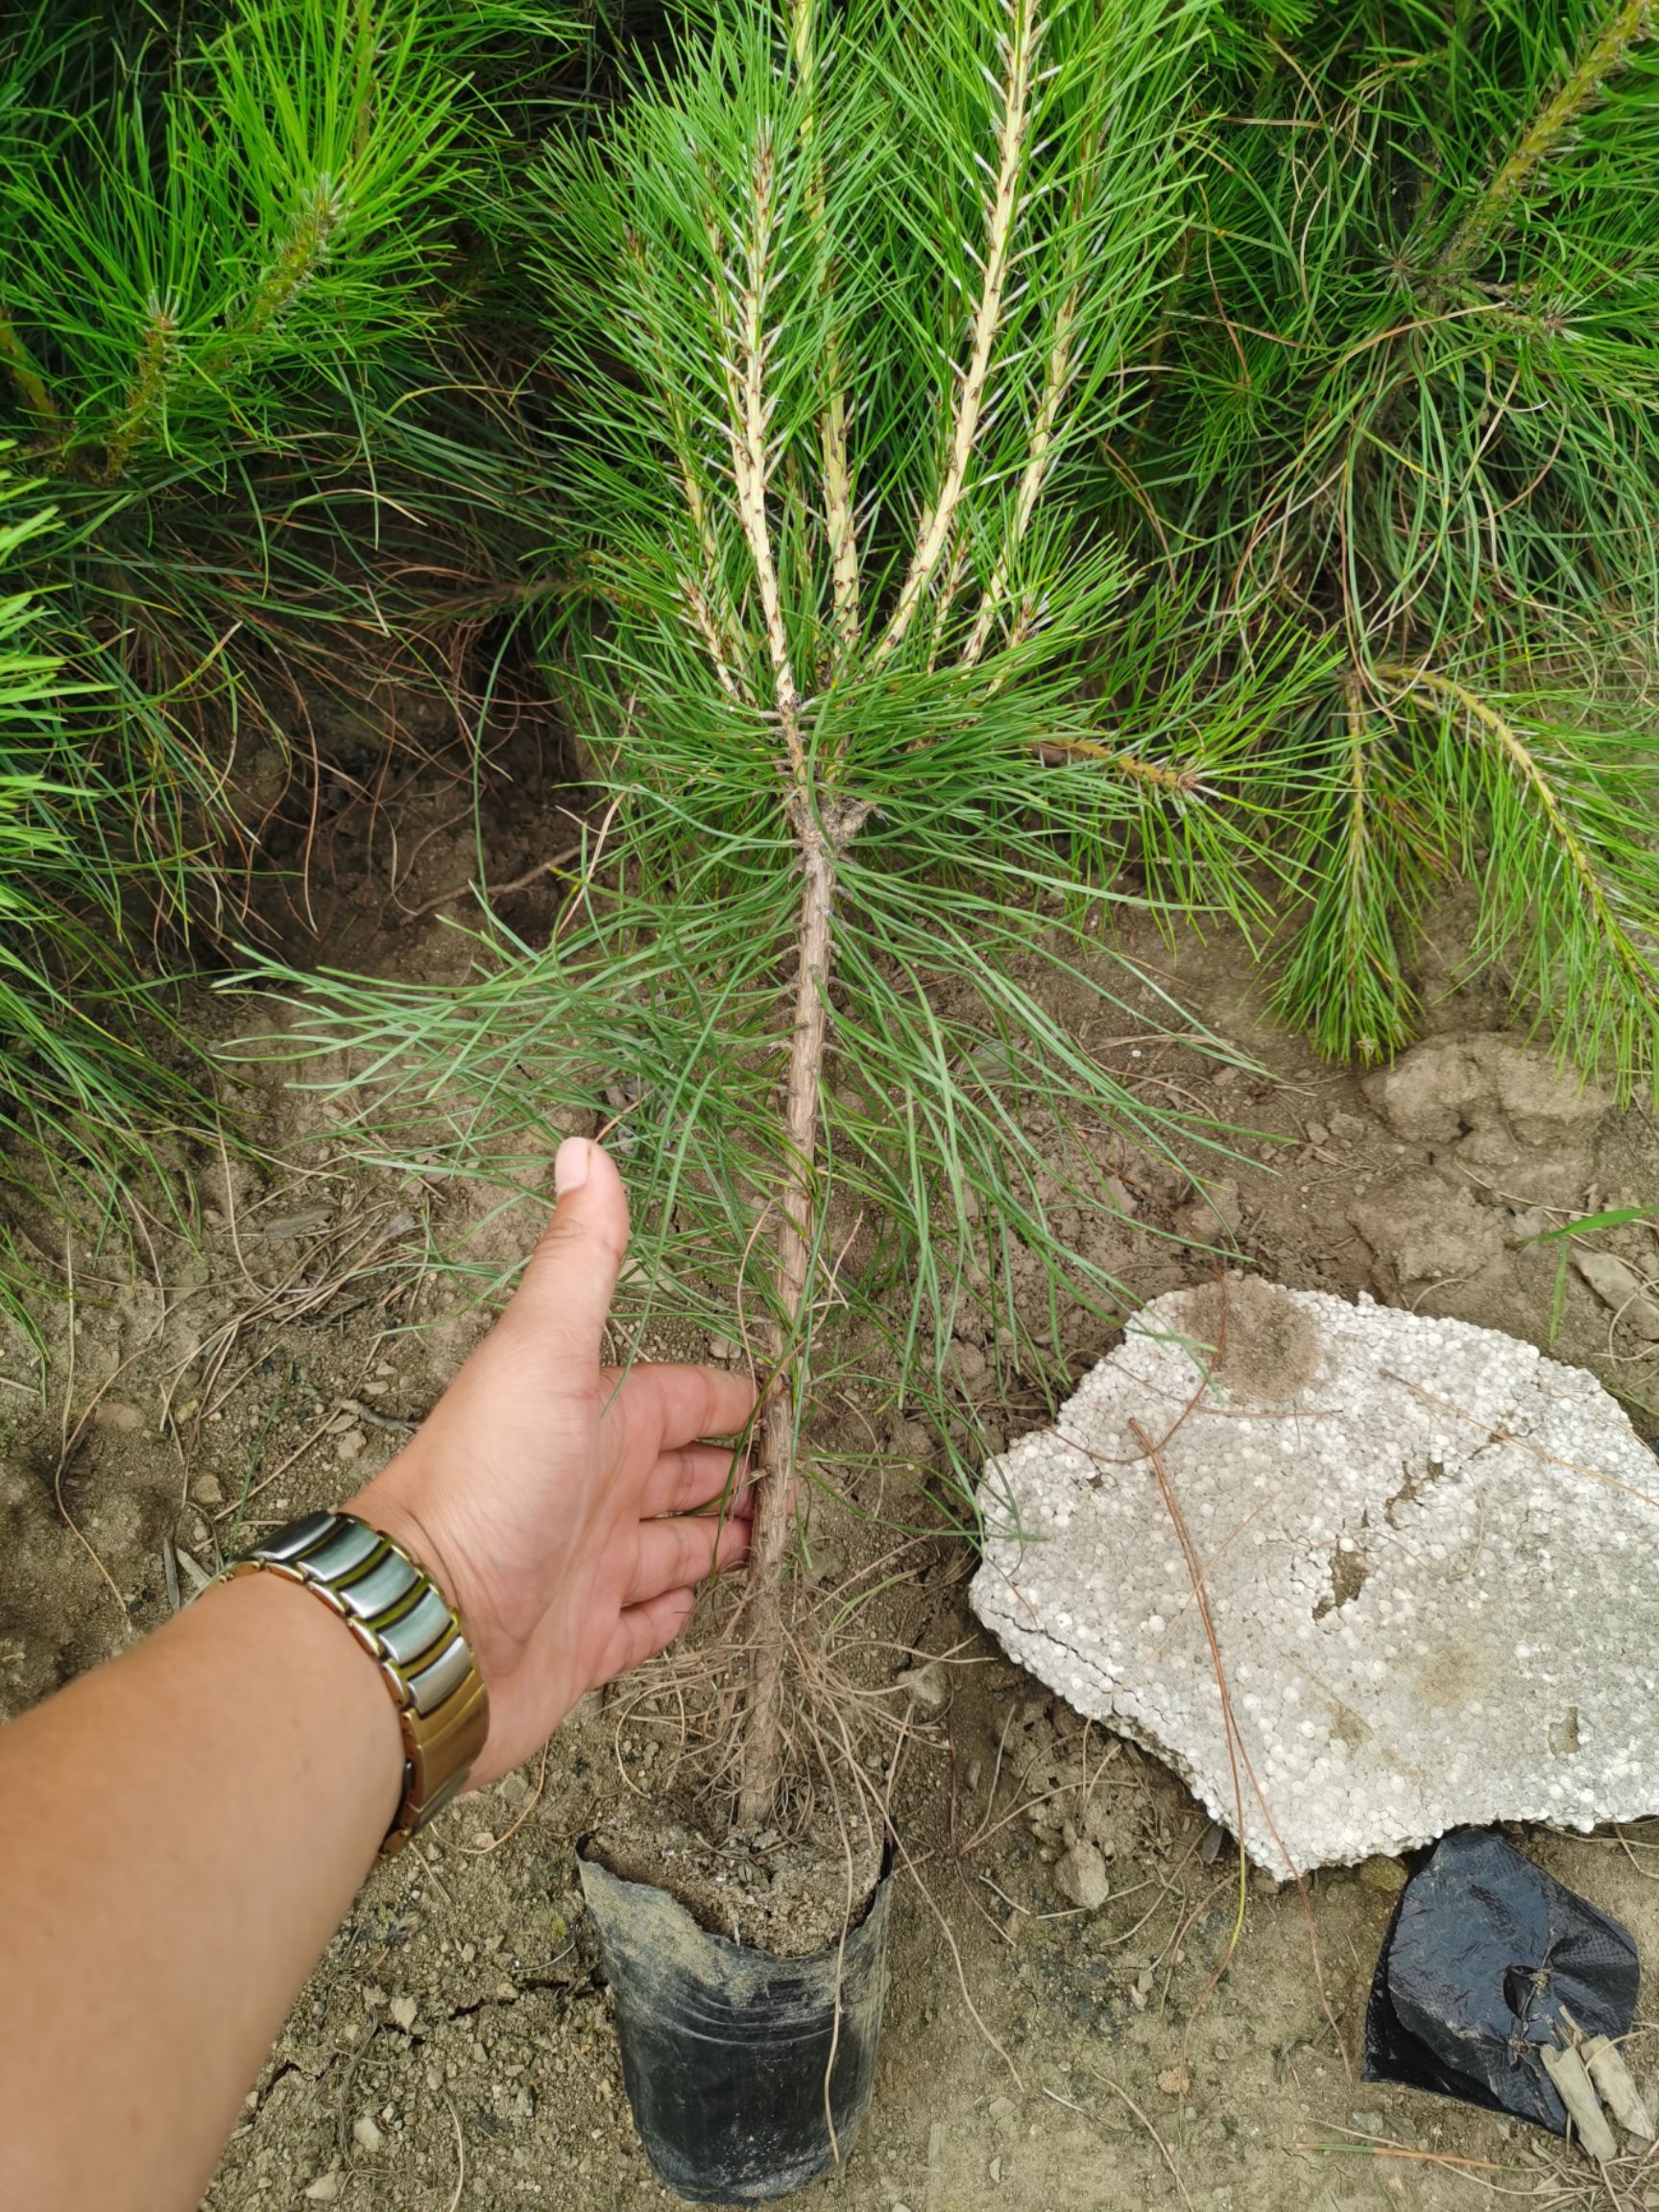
{"points": [[774, 1493], [821, 832]]}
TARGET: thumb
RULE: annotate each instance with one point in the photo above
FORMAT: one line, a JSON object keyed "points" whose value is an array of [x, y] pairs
{"points": [[565, 1290]]}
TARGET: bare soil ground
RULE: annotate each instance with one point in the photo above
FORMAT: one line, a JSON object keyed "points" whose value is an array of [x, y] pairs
{"points": [[456, 2046]]}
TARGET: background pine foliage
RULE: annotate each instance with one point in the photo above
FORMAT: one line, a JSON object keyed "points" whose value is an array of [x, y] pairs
{"points": [[246, 259], [230, 264], [1405, 400], [88, 1082]]}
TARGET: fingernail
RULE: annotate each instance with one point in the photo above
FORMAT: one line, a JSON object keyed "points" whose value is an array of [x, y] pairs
{"points": [[570, 1166]]}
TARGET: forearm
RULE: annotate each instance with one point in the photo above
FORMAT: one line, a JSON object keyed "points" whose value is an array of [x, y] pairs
{"points": [[181, 1834]]}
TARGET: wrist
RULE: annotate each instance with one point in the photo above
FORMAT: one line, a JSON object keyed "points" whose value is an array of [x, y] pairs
{"points": [[385, 1599], [393, 1503], [385, 1505]]}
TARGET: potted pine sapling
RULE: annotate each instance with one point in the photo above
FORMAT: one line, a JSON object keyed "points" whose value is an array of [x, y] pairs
{"points": [[843, 305]]}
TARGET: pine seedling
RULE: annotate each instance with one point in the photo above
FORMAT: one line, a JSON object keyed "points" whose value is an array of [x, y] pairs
{"points": [[846, 303], [1407, 394]]}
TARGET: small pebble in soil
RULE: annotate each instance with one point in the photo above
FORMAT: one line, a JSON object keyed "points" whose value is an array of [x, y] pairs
{"points": [[366, 2134], [1080, 1876], [325, 2189]]}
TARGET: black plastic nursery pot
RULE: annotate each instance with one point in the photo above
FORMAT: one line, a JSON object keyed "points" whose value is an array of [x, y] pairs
{"points": [[748, 2074]]}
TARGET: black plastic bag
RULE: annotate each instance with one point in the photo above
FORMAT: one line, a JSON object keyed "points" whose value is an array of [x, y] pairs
{"points": [[1483, 1951]]}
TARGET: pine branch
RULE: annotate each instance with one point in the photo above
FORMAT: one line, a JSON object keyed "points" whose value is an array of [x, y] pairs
{"points": [[1056, 383], [297, 263], [1181, 782], [1607, 50], [748, 432], [712, 621], [146, 394], [840, 492], [1000, 211], [1632, 963], [1362, 1001], [840, 499]]}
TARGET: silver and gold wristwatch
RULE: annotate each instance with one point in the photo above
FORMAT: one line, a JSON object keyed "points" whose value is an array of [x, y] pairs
{"points": [[404, 1622]]}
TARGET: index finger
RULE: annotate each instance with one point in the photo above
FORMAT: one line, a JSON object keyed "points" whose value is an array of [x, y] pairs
{"points": [[678, 1406]]}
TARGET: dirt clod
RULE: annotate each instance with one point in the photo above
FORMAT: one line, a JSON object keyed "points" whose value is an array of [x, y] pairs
{"points": [[1268, 1350], [1426, 1230], [792, 1899], [1080, 1876], [1617, 1283], [1386, 1876]]}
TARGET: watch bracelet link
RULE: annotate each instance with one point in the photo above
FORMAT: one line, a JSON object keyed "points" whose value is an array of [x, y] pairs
{"points": [[401, 1619]]}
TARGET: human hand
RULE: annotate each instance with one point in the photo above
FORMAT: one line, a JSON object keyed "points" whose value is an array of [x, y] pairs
{"points": [[560, 1504]]}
